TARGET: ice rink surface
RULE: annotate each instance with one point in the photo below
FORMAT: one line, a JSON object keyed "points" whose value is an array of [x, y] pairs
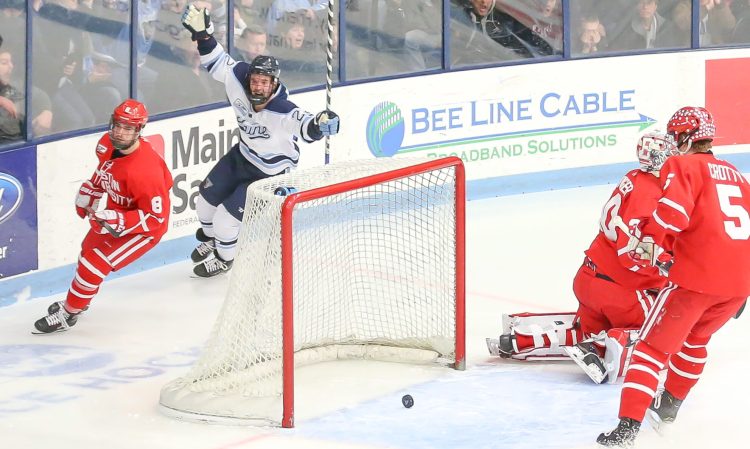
{"points": [[97, 385]]}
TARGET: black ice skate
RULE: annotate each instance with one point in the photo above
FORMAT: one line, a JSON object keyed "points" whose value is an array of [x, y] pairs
{"points": [[212, 266], [502, 347], [204, 249], [586, 356], [57, 320], [622, 436], [663, 411]]}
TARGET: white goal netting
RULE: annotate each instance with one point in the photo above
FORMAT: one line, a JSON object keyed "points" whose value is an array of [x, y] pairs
{"points": [[374, 276]]}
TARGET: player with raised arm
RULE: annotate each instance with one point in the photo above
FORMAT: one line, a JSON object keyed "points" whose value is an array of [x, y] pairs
{"points": [[704, 215], [270, 126], [137, 182], [614, 294]]}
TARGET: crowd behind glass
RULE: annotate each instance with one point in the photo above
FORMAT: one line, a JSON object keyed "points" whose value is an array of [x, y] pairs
{"points": [[81, 61]]}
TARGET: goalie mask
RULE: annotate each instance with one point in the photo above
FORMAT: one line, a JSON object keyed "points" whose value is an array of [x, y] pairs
{"points": [[126, 123], [691, 124], [260, 88], [653, 150]]}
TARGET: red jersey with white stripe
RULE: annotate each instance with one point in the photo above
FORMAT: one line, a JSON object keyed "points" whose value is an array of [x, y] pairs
{"points": [[633, 200], [705, 208], [137, 185]]}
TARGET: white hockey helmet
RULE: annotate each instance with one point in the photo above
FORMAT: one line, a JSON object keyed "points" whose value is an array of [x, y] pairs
{"points": [[653, 149]]}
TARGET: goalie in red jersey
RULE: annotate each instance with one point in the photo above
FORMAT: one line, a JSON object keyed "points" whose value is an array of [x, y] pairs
{"points": [[137, 183], [704, 215], [614, 293]]}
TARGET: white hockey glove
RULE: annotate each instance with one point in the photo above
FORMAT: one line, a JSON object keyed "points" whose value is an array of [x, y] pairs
{"points": [[107, 221], [198, 22], [88, 197], [327, 122]]}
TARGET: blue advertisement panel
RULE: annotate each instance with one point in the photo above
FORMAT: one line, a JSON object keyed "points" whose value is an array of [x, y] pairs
{"points": [[18, 214]]}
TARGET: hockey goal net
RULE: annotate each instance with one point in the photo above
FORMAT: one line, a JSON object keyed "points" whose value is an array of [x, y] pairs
{"points": [[364, 259]]}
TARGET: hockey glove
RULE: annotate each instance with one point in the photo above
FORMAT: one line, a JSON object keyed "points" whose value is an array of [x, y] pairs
{"points": [[327, 122], [198, 22], [107, 218], [88, 197]]}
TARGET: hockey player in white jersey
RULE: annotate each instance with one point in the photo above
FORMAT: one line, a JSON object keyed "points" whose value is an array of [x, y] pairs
{"points": [[270, 126]]}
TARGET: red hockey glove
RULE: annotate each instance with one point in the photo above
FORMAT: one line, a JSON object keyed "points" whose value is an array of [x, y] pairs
{"points": [[107, 218], [88, 197]]}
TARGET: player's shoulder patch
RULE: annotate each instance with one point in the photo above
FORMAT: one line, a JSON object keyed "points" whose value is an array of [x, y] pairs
{"points": [[626, 183], [103, 145], [241, 70], [281, 106]]}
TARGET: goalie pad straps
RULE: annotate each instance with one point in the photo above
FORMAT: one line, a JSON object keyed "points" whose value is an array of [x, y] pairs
{"points": [[618, 348], [541, 335]]}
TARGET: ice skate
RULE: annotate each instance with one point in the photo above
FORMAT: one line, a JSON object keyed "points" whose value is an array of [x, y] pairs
{"points": [[501, 347], [204, 249], [622, 436], [586, 356], [57, 320], [663, 411], [212, 267]]}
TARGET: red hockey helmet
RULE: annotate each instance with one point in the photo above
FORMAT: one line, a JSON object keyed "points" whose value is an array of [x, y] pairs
{"points": [[653, 150], [130, 113], [691, 124]]}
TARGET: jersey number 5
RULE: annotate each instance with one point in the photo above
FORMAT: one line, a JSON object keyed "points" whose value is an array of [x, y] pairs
{"points": [[739, 228]]}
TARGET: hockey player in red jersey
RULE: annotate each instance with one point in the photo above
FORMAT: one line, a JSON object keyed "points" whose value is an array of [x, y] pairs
{"points": [[614, 293], [704, 215], [137, 183]]}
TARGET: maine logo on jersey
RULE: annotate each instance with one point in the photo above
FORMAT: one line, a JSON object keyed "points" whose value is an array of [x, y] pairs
{"points": [[385, 129], [11, 196], [32, 360]]}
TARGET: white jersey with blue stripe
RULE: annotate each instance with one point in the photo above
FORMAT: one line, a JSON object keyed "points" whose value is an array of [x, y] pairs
{"points": [[268, 139]]}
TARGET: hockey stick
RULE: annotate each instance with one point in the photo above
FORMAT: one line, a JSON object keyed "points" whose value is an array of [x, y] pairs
{"points": [[103, 223], [329, 72], [662, 266]]}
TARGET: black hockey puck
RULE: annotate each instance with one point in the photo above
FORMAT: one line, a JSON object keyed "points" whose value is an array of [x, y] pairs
{"points": [[407, 400], [284, 191]]}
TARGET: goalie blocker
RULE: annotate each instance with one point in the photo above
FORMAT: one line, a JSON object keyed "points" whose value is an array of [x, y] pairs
{"points": [[554, 336]]}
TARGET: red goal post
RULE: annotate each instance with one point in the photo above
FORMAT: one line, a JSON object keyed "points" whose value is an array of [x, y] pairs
{"points": [[363, 259]]}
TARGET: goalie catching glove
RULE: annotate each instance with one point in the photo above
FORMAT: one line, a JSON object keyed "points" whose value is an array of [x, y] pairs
{"points": [[327, 122], [198, 22], [88, 197], [114, 219], [643, 251]]}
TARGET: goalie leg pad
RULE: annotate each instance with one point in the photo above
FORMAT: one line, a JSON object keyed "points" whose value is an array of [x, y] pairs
{"points": [[618, 344], [540, 335]]}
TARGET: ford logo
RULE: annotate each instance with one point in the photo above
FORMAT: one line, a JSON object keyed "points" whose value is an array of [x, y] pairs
{"points": [[11, 195]]}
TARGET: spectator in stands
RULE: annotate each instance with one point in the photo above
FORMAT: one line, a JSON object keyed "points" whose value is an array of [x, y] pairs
{"points": [[741, 10], [424, 38], [251, 43], [590, 36], [717, 22], [250, 12], [542, 17], [13, 28], [102, 90], [12, 117], [647, 29], [188, 74], [60, 44], [300, 61], [479, 24], [314, 13]]}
